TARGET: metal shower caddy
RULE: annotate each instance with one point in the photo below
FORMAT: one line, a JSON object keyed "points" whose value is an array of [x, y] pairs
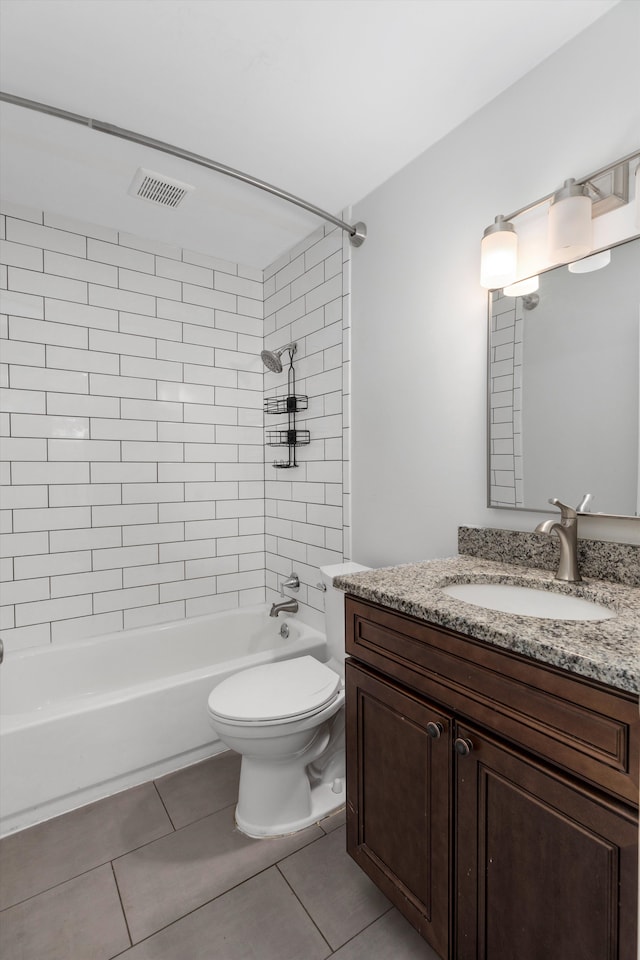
{"points": [[290, 405]]}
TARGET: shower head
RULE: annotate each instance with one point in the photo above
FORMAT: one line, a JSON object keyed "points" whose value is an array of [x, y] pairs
{"points": [[271, 358]]}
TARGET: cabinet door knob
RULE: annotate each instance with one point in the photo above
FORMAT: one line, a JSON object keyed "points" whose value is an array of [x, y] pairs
{"points": [[434, 729], [463, 746]]}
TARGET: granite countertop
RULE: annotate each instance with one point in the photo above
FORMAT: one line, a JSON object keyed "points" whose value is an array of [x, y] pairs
{"points": [[604, 650]]}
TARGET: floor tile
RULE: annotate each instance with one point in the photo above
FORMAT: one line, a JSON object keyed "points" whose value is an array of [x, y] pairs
{"points": [[334, 821], [389, 938], [258, 920], [35, 859], [164, 880], [77, 920], [337, 894], [201, 789]]}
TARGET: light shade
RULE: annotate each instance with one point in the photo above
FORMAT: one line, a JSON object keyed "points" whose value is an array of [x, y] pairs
{"points": [[595, 262], [498, 255], [570, 230], [522, 287]]}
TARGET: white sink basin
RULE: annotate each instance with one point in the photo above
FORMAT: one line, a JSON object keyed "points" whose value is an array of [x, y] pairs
{"points": [[528, 602]]}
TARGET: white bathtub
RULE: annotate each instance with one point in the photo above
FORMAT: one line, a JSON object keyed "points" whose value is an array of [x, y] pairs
{"points": [[85, 720]]}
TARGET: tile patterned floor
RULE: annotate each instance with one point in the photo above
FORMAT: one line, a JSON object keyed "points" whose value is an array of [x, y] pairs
{"points": [[159, 872]]}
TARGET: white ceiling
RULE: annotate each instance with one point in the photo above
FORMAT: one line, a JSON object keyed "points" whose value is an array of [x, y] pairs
{"points": [[324, 98]]}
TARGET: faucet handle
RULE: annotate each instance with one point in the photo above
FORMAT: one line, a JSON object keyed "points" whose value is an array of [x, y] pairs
{"points": [[585, 504], [566, 512], [291, 583]]}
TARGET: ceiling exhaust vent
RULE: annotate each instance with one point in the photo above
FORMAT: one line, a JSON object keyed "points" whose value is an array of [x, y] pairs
{"points": [[156, 188]]}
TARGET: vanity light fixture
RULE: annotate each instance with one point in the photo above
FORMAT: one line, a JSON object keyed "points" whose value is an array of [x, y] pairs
{"points": [[522, 287], [588, 264], [498, 254], [559, 227], [570, 229]]}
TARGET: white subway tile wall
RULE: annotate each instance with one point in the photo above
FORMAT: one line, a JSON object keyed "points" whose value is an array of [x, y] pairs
{"points": [[132, 430], [307, 301], [133, 477]]}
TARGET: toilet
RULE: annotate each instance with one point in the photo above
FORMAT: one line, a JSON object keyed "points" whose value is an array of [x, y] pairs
{"points": [[286, 719]]}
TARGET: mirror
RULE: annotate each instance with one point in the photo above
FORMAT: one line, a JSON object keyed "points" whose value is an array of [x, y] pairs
{"points": [[563, 401]]}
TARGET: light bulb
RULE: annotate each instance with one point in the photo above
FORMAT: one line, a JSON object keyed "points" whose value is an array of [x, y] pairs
{"points": [[498, 255], [589, 264], [570, 230]]}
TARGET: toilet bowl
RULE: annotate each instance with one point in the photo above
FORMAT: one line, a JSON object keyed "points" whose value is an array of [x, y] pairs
{"points": [[286, 719]]}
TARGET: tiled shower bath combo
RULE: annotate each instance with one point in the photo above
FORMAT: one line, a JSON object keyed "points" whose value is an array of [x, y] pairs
{"points": [[133, 461]]}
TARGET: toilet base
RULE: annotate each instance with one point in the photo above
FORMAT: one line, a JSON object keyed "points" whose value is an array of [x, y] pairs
{"points": [[324, 801]]}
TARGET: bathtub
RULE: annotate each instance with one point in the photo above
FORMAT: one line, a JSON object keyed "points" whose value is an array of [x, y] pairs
{"points": [[82, 721]]}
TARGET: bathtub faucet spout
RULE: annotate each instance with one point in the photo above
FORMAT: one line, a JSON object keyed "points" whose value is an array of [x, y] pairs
{"points": [[287, 604], [290, 605]]}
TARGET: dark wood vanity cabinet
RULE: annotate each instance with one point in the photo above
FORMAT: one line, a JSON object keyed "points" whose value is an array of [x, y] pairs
{"points": [[399, 798], [493, 799], [545, 868]]}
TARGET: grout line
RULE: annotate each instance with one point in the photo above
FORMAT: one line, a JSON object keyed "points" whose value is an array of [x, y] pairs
{"points": [[224, 892], [76, 876], [183, 916], [155, 786], [356, 935], [277, 865], [124, 912], [93, 866]]}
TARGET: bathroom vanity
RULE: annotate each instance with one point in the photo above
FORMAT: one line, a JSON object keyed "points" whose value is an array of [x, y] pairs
{"points": [[492, 764]]}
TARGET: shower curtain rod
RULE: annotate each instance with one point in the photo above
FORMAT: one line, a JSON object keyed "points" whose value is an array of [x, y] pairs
{"points": [[357, 231]]}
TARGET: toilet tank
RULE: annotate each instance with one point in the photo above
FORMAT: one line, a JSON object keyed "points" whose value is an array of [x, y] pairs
{"points": [[334, 606]]}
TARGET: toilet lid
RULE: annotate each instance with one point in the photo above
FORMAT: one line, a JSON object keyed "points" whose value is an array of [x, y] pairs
{"points": [[275, 691]]}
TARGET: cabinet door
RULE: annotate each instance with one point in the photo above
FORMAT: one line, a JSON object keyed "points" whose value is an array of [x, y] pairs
{"points": [[398, 792], [546, 870]]}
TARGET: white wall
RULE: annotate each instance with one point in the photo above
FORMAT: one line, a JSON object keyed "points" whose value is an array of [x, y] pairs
{"points": [[419, 314]]}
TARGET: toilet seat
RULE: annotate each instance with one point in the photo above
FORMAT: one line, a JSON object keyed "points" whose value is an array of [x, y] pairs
{"points": [[273, 693]]}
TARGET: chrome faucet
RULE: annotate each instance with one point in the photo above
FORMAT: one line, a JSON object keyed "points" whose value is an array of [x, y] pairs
{"points": [[567, 530], [287, 604], [290, 605]]}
